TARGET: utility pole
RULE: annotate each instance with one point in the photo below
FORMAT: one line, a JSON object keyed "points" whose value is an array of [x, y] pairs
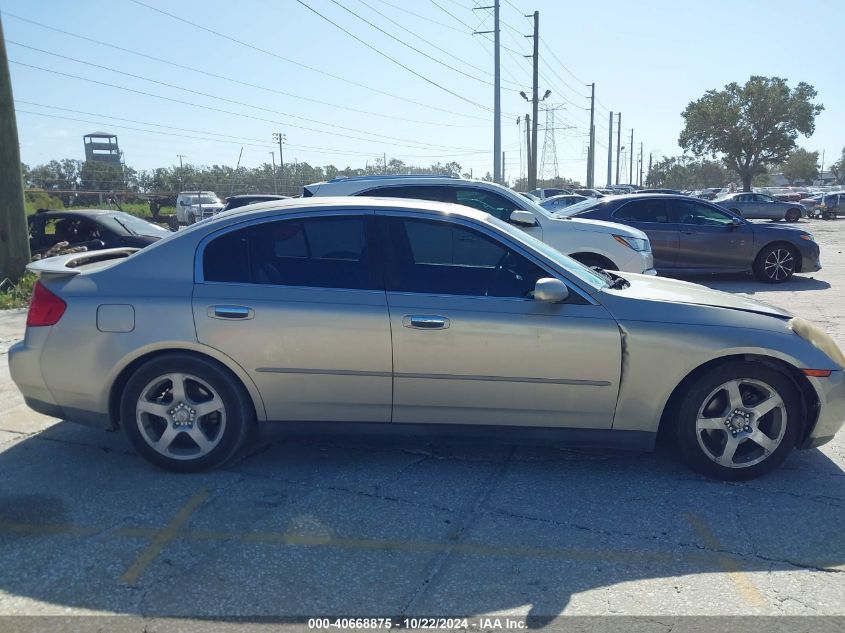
{"points": [[641, 163], [631, 166], [498, 171], [650, 156], [609, 148], [281, 138], [528, 150], [591, 155], [275, 183], [234, 174], [181, 184], [535, 100], [618, 142], [14, 234], [504, 179]]}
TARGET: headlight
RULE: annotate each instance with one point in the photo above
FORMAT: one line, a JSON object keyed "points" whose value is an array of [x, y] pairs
{"points": [[818, 338], [808, 236], [637, 243]]}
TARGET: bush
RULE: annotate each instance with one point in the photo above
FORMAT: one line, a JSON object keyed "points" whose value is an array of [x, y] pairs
{"points": [[16, 295], [34, 200]]}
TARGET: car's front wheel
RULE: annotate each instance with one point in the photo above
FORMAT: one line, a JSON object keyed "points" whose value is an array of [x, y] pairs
{"points": [[185, 413], [775, 263], [738, 421]]}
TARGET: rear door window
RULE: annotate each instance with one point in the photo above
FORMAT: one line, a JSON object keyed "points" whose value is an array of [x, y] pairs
{"points": [[649, 210]]}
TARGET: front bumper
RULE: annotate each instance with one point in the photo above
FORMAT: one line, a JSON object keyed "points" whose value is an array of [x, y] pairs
{"points": [[810, 258], [831, 393]]}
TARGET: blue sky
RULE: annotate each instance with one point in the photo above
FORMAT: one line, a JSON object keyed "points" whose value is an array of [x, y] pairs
{"points": [[648, 61]]}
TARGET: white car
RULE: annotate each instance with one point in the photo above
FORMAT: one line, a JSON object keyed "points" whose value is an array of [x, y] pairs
{"points": [[592, 242], [192, 206]]}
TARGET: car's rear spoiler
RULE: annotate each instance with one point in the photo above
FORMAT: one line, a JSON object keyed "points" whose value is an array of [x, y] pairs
{"points": [[71, 264]]}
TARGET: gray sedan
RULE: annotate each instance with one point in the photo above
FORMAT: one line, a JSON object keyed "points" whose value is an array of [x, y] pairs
{"points": [[402, 313], [758, 206]]}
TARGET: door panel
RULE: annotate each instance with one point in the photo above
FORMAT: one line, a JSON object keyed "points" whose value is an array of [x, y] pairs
{"points": [[471, 347], [709, 240], [316, 352], [651, 215], [504, 362]]}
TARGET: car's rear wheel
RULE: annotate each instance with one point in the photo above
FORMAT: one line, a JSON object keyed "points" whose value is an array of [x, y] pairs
{"points": [[775, 263], [185, 413], [736, 211], [793, 215], [738, 421]]}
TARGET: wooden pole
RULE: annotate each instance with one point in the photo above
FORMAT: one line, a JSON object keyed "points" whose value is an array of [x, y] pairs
{"points": [[14, 236]]}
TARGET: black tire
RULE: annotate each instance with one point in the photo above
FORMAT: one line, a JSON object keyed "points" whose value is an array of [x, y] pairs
{"points": [[695, 452], [736, 211], [590, 260], [225, 430], [191, 219], [793, 215], [775, 263]]}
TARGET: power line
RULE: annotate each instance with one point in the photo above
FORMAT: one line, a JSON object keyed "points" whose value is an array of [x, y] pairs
{"points": [[421, 17], [205, 94], [240, 114], [420, 37], [232, 79], [402, 42], [392, 59], [296, 63]]}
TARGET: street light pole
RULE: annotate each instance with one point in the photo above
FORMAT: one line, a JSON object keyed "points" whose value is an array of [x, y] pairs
{"points": [[281, 138], [181, 184]]}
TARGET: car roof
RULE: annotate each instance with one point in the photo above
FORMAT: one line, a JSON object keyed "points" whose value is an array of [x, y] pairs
{"points": [[91, 212], [268, 196], [326, 203]]}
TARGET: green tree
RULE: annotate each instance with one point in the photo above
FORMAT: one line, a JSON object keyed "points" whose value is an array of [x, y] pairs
{"points": [[801, 167], [750, 126], [838, 169], [96, 175]]}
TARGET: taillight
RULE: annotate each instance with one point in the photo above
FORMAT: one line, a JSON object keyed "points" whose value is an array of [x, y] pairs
{"points": [[45, 307]]}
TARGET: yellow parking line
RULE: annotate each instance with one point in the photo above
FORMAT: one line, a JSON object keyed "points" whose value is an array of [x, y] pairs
{"points": [[162, 538], [743, 583]]}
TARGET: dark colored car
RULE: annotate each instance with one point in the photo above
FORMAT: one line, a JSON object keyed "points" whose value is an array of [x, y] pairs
{"points": [[233, 202], [94, 229], [673, 191], [690, 235]]}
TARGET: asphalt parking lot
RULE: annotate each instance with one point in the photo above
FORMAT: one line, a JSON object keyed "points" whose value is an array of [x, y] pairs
{"points": [[420, 526]]}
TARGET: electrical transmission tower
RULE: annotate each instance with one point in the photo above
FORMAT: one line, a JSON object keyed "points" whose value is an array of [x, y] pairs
{"points": [[549, 158]]}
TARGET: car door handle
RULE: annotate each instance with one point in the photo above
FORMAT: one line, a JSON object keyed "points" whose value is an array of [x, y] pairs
{"points": [[231, 312], [422, 322]]}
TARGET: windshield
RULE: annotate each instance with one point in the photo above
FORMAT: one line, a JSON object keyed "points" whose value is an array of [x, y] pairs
{"points": [[587, 275], [137, 226], [197, 200], [580, 207]]}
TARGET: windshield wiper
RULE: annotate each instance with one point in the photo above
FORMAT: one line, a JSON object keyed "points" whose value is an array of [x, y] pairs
{"points": [[616, 283]]}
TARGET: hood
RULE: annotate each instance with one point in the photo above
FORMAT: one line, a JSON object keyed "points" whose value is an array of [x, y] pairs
{"points": [[600, 226], [675, 291]]}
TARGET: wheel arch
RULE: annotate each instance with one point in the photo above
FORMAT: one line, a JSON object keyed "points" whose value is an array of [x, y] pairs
{"points": [[807, 395], [118, 384], [795, 251], [601, 260]]}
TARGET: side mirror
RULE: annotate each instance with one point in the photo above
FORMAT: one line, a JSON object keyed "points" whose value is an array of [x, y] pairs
{"points": [[736, 222], [523, 218], [549, 290]]}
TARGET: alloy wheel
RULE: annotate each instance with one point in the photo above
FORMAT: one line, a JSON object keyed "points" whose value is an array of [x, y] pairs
{"points": [[741, 423], [180, 416], [779, 264]]}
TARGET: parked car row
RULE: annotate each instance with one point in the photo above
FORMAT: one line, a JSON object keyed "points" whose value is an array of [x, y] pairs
{"points": [[398, 311]]}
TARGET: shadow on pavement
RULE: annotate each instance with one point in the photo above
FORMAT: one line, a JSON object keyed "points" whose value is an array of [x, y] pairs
{"points": [[747, 284], [388, 526]]}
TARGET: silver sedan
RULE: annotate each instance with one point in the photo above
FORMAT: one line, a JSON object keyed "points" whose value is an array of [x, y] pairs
{"points": [[758, 206], [355, 311]]}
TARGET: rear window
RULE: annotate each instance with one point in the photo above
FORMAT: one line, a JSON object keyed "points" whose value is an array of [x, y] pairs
{"points": [[585, 206]]}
